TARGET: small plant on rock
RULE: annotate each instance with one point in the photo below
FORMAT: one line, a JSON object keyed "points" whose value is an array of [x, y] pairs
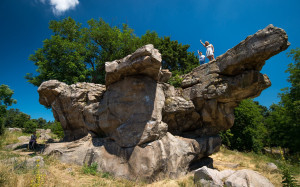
{"points": [[176, 81]]}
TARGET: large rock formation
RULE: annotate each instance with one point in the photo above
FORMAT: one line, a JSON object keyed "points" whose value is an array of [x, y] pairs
{"points": [[143, 128]]}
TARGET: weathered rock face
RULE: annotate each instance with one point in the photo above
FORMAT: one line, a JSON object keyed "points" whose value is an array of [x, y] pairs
{"points": [[144, 128], [74, 106], [130, 111], [144, 61], [216, 88], [171, 156]]}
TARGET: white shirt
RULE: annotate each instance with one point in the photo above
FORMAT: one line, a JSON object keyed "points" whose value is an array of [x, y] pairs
{"points": [[201, 58]]}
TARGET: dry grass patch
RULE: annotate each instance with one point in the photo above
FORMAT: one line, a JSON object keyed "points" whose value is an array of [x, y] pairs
{"points": [[10, 138], [185, 181], [7, 178], [60, 174], [251, 161]]}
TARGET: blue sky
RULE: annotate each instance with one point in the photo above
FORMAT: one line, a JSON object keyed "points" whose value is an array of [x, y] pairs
{"points": [[224, 23]]}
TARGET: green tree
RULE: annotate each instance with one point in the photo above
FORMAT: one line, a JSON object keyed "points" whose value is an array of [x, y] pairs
{"points": [[106, 43], [290, 100], [175, 56], [62, 56], [20, 120], [5, 100], [57, 129], [30, 126], [41, 123], [9, 118], [248, 132], [5, 96], [284, 121], [276, 124], [75, 53]]}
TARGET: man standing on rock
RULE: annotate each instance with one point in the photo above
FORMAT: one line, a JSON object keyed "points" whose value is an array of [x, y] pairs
{"points": [[201, 58]]}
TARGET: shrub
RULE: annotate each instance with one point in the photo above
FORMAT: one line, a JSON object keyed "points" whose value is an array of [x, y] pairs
{"points": [[30, 126], [176, 81], [226, 136], [248, 132], [92, 169], [106, 175], [57, 129]]}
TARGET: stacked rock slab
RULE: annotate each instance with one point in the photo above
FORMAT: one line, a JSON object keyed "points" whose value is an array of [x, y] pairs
{"points": [[217, 88], [140, 127]]}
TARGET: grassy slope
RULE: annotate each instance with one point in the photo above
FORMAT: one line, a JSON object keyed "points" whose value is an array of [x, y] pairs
{"points": [[58, 174], [256, 162]]}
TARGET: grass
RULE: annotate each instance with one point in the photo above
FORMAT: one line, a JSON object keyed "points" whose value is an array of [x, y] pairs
{"points": [[92, 169], [257, 162], [7, 177], [11, 138], [59, 174]]}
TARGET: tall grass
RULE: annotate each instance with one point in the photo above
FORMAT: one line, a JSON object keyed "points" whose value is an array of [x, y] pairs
{"points": [[10, 138], [7, 177]]}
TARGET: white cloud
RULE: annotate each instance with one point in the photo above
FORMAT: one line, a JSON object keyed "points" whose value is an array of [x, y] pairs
{"points": [[60, 6]]}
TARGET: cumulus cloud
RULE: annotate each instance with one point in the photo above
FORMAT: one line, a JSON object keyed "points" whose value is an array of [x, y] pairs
{"points": [[60, 6]]}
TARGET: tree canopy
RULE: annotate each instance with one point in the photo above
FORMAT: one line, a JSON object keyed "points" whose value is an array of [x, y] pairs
{"points": [[256, 126], [248, 132], [284, 120], [78, 54], [6, 96], [5, 100]]}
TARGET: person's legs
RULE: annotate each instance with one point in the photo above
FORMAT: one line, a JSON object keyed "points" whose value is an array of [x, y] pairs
{"points": [[31, 145], [211, 57], [34, 145]]}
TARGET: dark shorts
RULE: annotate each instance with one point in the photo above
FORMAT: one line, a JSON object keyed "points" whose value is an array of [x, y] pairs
{"points": [[201, 62]]}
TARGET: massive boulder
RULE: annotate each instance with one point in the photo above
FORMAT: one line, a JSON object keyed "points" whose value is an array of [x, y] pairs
{"points": [[139, 127], [73, 106]]}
